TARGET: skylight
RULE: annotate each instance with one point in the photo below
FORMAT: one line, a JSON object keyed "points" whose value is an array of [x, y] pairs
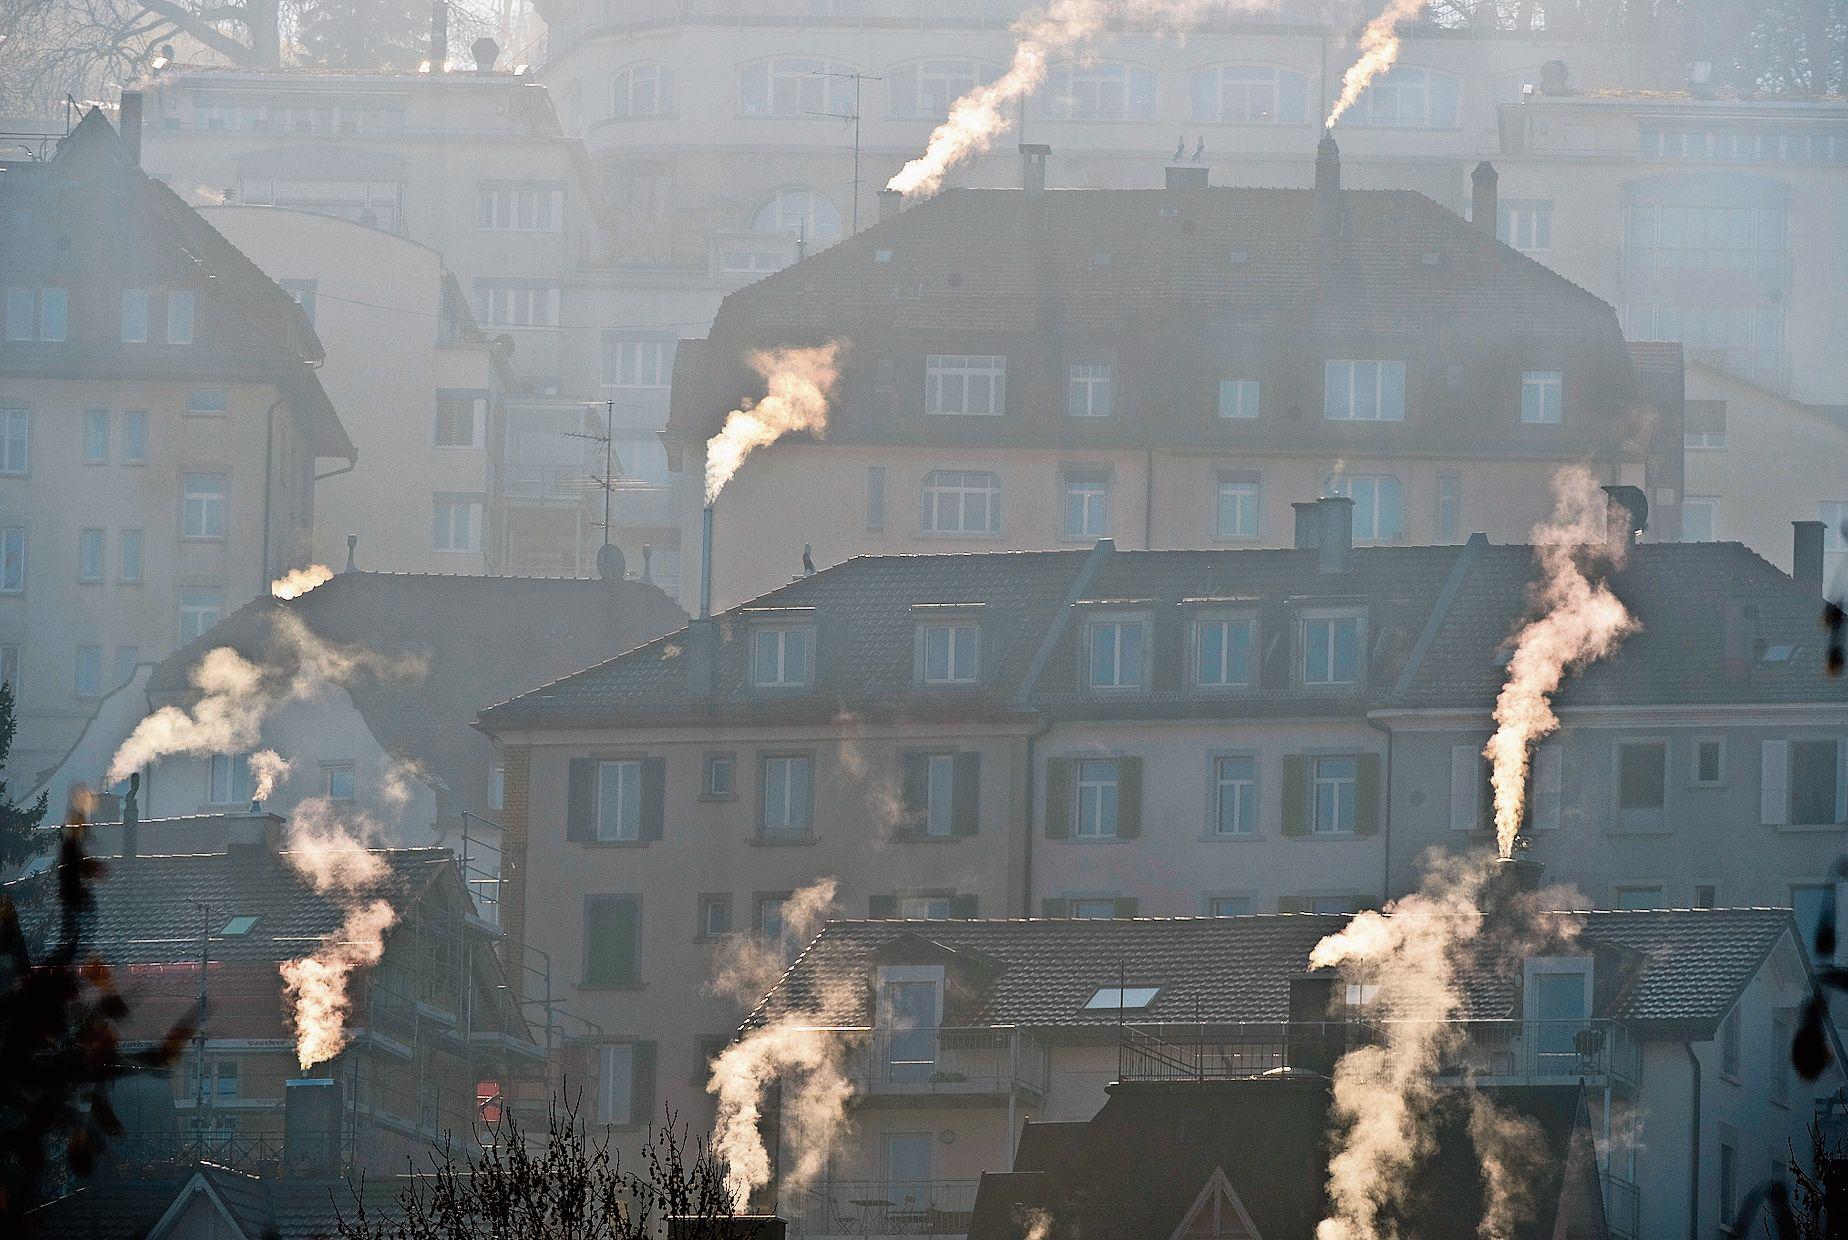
{"points": [[237, 927], [1778, 654], [1122, 998]]}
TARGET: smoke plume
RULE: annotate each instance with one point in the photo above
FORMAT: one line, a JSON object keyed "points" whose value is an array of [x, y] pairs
{"points": [[1512, 1150], [797, 383], [1038, 1225], [1580, 621], [791, 1054], [1379, 49], [267, 769], [298, 581]]}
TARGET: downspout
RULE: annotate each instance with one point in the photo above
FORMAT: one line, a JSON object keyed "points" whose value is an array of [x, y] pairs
{"points": [[1694, 1147], [269, 468], [1148, 499], [1032, 816]]}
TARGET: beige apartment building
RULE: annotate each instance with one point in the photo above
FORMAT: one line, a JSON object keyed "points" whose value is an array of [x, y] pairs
{"points": [[163, 424]]}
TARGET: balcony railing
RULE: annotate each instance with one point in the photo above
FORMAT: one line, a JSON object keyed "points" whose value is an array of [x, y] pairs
{"points": [[1622, 1207], [869, 1208], [947, 1061]]}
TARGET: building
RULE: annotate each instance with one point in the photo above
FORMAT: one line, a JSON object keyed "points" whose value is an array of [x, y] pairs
{"points": [[370, 742], [163, 424], [1104, 732], [1171, 367], [955, 1032], [211, 1202]]}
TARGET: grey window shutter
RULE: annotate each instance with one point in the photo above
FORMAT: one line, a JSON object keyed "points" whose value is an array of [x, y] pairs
{"points": [[642, 1084], [882, 906], [963, 906], [1129, 798], [965, 816], [1058, 799], [914, 791], [581, 799], [1126, 906], [654, 797], [612, 940], [1367, 794], [1295, 794], [1052, 906]]}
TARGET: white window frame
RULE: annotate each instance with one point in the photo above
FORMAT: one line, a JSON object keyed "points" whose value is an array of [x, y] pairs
{"points": [[1327, 676], [12, 559], [1526, 225], [1345, 382], [1121, 627], [446, 533], [204, 510], [638, 363], [796, 86], [934, 85], [1414, 83], [1215, 631], [1641, 821], [1543, 397], [131, 555], [182, 316], [1097, 798], [521, 208], [474, 411], [135, 311], [1342, 789], [96, 437], [958, 488], [614, 1109], [517, 304], [87, 672], [1243, 789], [625, 798], [1377, 498], [197, 619], [779, 814], [331, 780], [780, 642], [1265, 94], [1088, 390], [970, 385], [92, 554], [1089, 490], [642, 89], [960, 660], [15, 441], [1100, 90], [798, 211], [1240, 399], [227, 779], [133, 448]]}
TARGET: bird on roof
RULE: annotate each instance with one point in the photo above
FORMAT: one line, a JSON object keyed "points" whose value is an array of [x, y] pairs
{"points": [[1180, 149], [1199, 150]]}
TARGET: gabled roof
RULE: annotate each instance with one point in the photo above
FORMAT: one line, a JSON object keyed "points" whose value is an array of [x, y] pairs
{"points": [[115, 1207], [1684, 967]]}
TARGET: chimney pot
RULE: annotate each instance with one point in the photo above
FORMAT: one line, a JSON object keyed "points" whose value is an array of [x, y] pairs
{"points": [[1627, 514], [1806, 542], [131, 816], [1187, 178], [1484, 200], [439, 35], [312, 1115], [352, 547], [1553, 77], [891, 202], [1308, 524], [128, 123], [1033, 166], [485, 51], [1330, 208], [1337, 537]]}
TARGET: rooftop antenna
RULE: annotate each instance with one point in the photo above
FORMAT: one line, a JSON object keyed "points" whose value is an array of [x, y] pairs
{"points": [[608, 481], [858, 80]]}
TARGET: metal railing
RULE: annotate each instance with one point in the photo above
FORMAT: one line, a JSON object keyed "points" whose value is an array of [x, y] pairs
{"points": [[155, 1153], [1623, 1207], [947, 1061], [864, 1208]]}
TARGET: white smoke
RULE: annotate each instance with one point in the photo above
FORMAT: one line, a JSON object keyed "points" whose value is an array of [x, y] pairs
{"points": [[797, 384], [1580, 621], [1379, 49], [1037, 1224], [1512, 1150], [267, 769], [298, 581]]}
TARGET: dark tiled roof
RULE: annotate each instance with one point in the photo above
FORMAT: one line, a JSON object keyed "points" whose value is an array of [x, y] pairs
{"points": [[115, 1207], [1680, 966]]}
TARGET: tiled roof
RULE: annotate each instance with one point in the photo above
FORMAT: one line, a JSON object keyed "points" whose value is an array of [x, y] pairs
{"points": [[115, 1207], [1679, 966]]}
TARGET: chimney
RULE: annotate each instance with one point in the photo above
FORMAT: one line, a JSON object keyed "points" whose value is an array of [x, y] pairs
{"points": [[439, 35], [311, 1127], [736, 1227], [1626, 513], [891, 202], [701, 654], [1308, 524], [705, 563], [1553, 78], [128, 123], [1513, 878], [352, 550], [1330, 209], [1336, 542], [1483, 204], [1313, 1041], [1033, 166], [1189, 177], [485, 51], [250, 842], [647, 562], [1806, 539], [131, 817]]}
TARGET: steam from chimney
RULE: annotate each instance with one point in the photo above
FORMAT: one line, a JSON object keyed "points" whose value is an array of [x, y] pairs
{"points": [[267, 769], [1580, 621], [791, 1052], [298, 581], [1379, 49], [1512, 1150], [797, 383], [1038, 1225]]}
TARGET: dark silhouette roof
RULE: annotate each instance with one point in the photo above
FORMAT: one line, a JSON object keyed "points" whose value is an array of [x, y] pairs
{"points": [[114, 1207]]}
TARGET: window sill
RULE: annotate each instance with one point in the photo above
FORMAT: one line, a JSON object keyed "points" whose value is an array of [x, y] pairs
{"points": [[1095, 839], [610, 987], [1811, 828], [1641, 832], [762, 840], [924, 837], [716, 797], [1227, 837], [615, 843], [1332, 835]]}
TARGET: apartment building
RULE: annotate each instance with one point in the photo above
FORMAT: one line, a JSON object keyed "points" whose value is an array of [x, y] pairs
{"points": [[163, 423], [1649, 1053], [1171, 368]]}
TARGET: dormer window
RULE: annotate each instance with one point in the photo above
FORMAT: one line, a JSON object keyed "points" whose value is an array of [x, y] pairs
{"points": [[1122, 999], [949, 652], [783, 656], [965, 384], [1116, 651], [1222, 648], [1542, 397], [1363, 391], [1330, 646]]}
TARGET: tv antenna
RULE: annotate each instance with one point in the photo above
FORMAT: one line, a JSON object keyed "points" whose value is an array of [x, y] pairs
{"points": [[859, 80], [608, 482]]}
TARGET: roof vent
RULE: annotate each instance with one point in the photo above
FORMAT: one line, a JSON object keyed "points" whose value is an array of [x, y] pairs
{"points": [[1186, 178]]}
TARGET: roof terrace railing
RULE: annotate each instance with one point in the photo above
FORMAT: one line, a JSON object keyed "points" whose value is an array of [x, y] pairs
{"points": [[942, 1060], [864, 1208]]}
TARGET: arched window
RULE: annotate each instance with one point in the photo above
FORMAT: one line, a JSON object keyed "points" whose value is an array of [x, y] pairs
{"points": [[1250, 94], [1104, 91], [644, 90], [925, 89], [794, 86], [800, 211], [1408, 97]]}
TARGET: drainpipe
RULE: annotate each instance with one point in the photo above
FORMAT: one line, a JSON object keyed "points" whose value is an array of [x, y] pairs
{"points": [[269, 466], [1148, 499], [1026, 878], [1694, 1147], [1385, 794]]}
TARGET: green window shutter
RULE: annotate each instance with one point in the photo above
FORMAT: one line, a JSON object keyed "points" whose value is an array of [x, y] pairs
{"points": [[611, 939], [966, 811], [654, 797], [881, 907], [1052, 906], [1058, 800], [581, 799], [1367, 794], [1289, 904], [1129, 798], [914, 790], [642, 1084], [1295, 794], [963, 907], [1126, 906]]}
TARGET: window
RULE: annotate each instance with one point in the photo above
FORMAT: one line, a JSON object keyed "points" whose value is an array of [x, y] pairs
{"points": [[786, 798], [1116, 652], [951, 653], [54, 314], [337, 781], [1235, 796], [799, 212], [90, 555], [208, 402], [1334, 790], [1408, 97], [975, 384], [1730, 1050], [1097, 801], [228, 779], [1331, 647], [926, 89], [456, 521], [769, 919], [1642, 785], [95, 436], [202, 507], [303, 292], [1783, 1028], [637, 362], [128, 560], [1809, 904], [1703, 424], [1236, 504], [939, 793], [619, 800], [1378, 508], [517, 305], [12, 560], [134, 316], [875, 498], [180, 305], [795, 86], [1527, 226], [1087, 390], [719, 781], [1449, 507], [1639, 897], [461, 421], [1541, 397], [1086, 511], [1122, 998], [1668, 237], [126, 657], [21, 313], [1706, 895], [1222, 652], [612, 940], [1227, 906], [1238, 398], [1746, 339], [239, 926], [200, 609], [1709, 762], [1699, 518], [961, 501], [87, 675], [135, 437], [15, 441], [503, 207], [1814, 782], [927, 908], [1098, 91], [1338, 905], [1558, 1004], [1363, 391], [715, 915], [374, 204], [1094, 907], [1250, 95], [616, 1083], [782, 656], [9, 665]]}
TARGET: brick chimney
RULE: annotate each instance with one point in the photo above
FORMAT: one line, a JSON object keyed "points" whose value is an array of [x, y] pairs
{"points": [[1186, 177], [1033, 157], [312, 1119], [891, 202], [1330, 208], [1806, 541], [1627, 514], [131, 817], [128, 124], [1336, 542], [1308, 524], [1484, 204]]}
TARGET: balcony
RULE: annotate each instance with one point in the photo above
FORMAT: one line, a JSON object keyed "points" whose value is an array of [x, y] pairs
{"points": [[947, 1062], [868, 1208]]}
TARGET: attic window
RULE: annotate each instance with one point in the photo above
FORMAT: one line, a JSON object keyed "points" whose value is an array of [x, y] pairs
{"points": [[1100, 260], [882, 256], [1168, 213], [237, 927], [1431, 258], [1238, 258], [1122, 999], [1778, 654]]}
